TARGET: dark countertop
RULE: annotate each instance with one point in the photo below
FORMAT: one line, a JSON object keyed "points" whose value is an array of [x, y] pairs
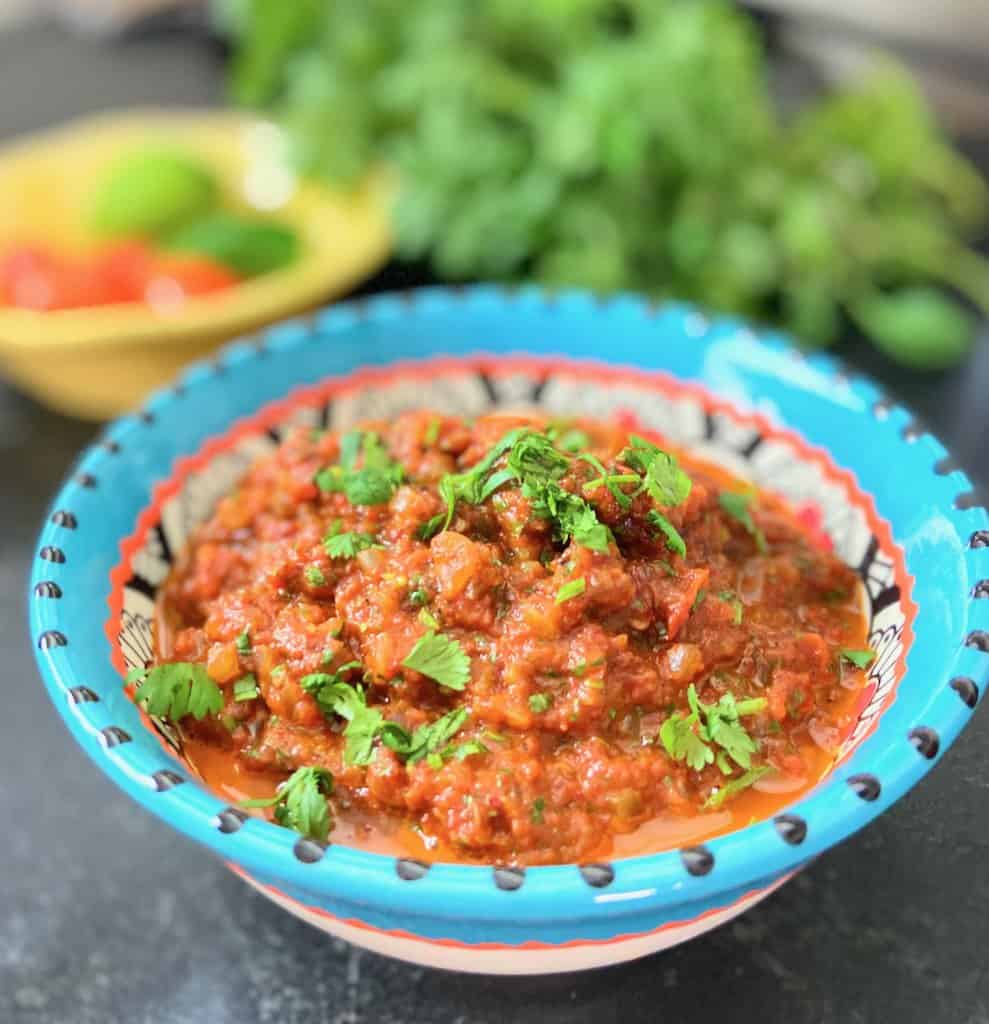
{"points": [[108, 916]]}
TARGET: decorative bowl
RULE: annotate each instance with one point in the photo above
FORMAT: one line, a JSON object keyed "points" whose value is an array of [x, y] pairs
{"points": [[101, 361], [892, 504]]}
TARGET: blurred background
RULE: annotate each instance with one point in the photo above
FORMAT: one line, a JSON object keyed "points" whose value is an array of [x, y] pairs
{"points": [[175, 173]]}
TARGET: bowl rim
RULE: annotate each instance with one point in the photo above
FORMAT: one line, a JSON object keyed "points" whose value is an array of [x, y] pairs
{"points": [[748, 857]]}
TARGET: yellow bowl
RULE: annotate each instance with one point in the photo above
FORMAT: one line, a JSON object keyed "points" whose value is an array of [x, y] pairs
{"points": [[101, 361]]}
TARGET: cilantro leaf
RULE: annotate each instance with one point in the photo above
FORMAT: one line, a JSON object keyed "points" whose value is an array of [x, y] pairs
{"points": [[673, 539], [860, 659], [347, 545], [301, 803], [570, 590], [535, 464], [432, 742], [374, 482], [610, 480], [540, 702], [662, 478], [433, 738], [175, 690], [536, 814], [337, 697], [686, 737], [735, 786], [246, 688], [573, 441], [243, 642], [440, 658], [469, 486], [737, 506], [683, 743]]}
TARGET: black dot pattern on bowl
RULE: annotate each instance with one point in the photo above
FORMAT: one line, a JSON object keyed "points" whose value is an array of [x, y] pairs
{"points": [[166, 779], [945, 466], [111, 446], [979, 539], [47, 588], [113, 736], [981, 589], [230, 819], [600, 876], [410, 870], [82, 695], [509, 879], [966, 689], [66, 519], [912, 431], [967, 500], [52, 638], [791, 827], [86, 480], [52, 554], [925, 740], [979, 639], [146, 417], [881, 408], [309, 851], [866, 786], [698, 860]]}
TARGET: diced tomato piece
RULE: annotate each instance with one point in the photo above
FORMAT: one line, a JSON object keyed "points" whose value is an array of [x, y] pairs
{"points": [[175, 278]]}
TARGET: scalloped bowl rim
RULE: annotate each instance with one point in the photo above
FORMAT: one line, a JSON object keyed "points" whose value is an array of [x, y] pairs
{"points": [[746, 857]]}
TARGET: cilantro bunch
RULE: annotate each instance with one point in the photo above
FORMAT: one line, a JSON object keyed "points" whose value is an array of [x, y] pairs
{"points": [[631, 144]]}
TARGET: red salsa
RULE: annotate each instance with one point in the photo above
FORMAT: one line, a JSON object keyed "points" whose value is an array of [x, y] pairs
{"points": [[506, 640]]}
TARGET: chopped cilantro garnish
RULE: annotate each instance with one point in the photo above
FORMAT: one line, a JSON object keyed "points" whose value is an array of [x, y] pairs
{"points": [[573, 441], [688, 737], [432, 742], [300, 803], [538, 806], [374, 482], [699, 599], [662, 478], [314, 576], [440, 658], [540, 702], [673, 539], [347, 545], [243, 642], [570, 590], [735, 786], [536, 465], [418, 598], [175, 690], [348, 701], [246, 688], [610, 480], [428, 619], [860, 659], [738, 507]]}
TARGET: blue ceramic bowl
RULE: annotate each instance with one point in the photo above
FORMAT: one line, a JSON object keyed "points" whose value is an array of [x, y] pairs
{"points": [[880, 487]]}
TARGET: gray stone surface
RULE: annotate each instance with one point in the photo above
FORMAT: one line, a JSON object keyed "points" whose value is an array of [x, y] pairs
{"points": [[109, 917]]}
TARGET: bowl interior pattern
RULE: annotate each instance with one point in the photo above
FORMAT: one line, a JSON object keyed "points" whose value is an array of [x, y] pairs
{"points": [[881, 489]]}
